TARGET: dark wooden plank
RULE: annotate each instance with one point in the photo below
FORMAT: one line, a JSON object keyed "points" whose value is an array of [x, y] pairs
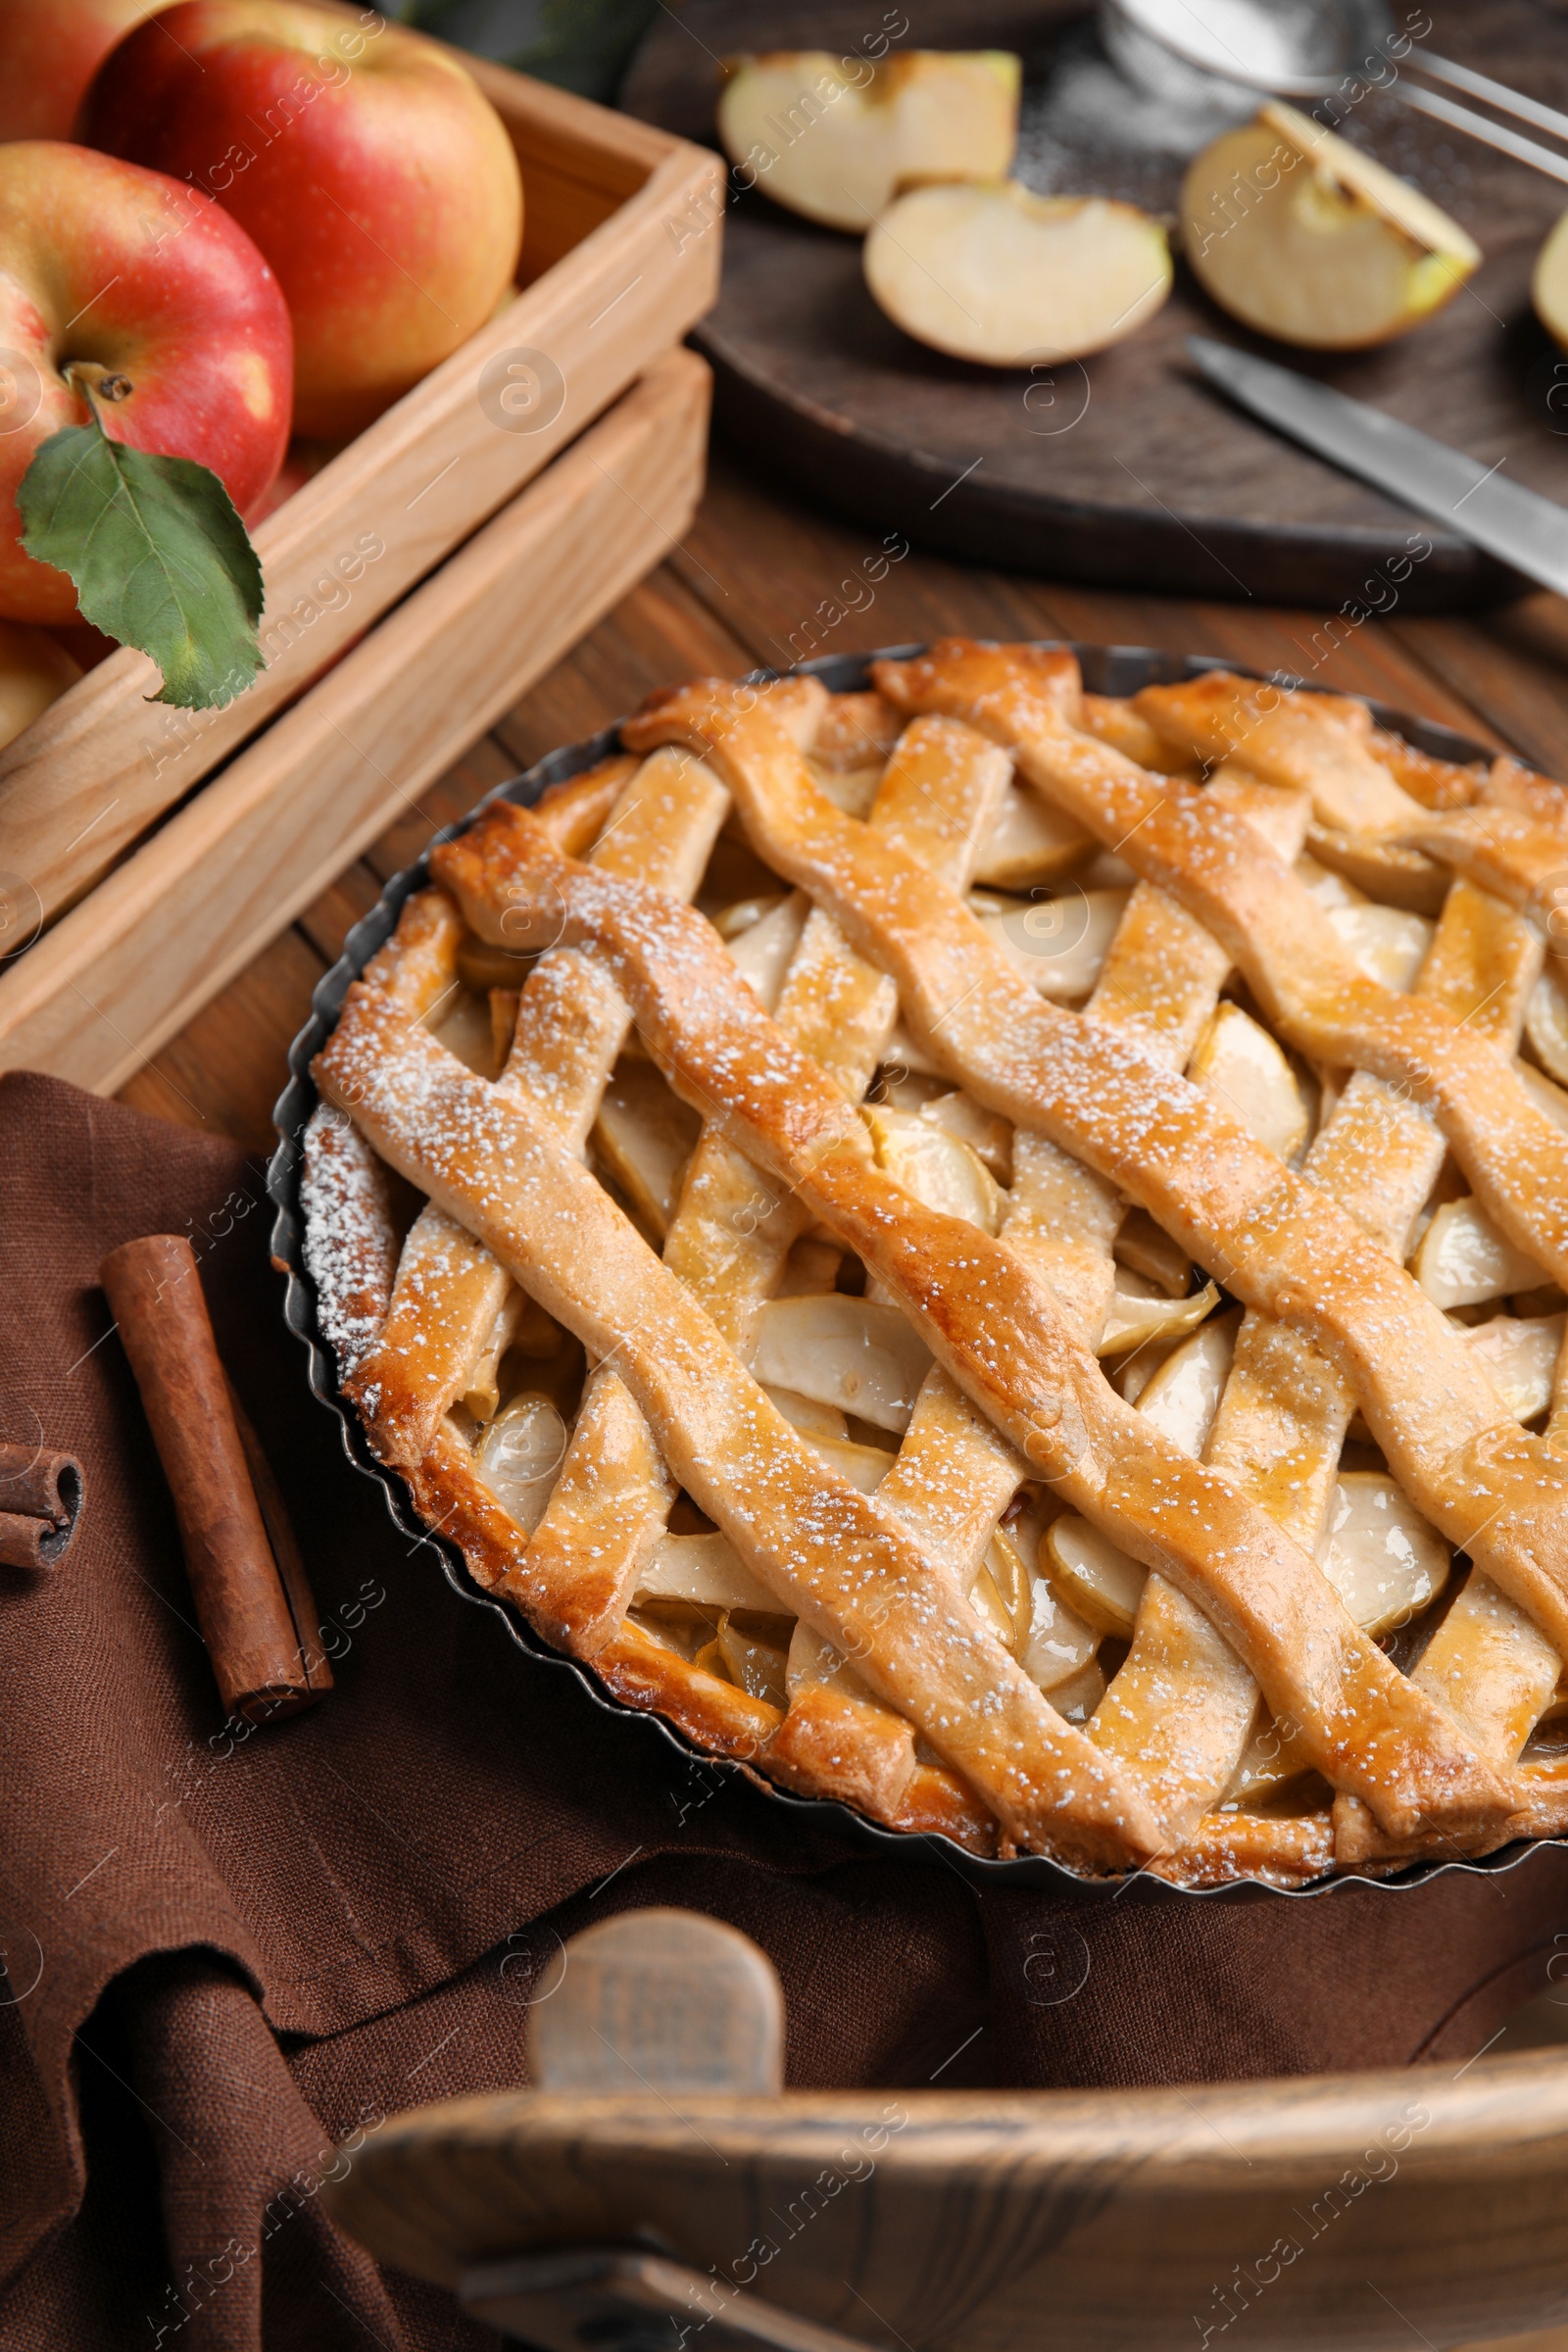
{"points": [[792, 582], [1128, 465], [668, 629], [480, 770], [1513, 668], [800, 583], [226, 1069], [327, 922]]}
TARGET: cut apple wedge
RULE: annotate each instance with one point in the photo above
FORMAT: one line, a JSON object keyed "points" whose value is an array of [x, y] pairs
{"points": [[644, 1135], [864, 1357], [1548, 288], [1056, 944], [1140, 1313], [1146, 1248], [1520, 1354], [1387, 942], [1182, 1397], [1299, 235], [814, 1664], [764, 950], [1463, 1260], [1378, 1552], [1098, 1581], [705, 1569], [832, 137], [519, 1454], [1239, 1067], [826, 1431], [1547, 1023], [758, 1667], [985, 1135], [1000, 275], [936, 1166], [1059, 1644], [1030, 842]]}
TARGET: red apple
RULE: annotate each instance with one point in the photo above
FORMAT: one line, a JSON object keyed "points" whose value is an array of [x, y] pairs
{"points": [[365, 162], [49, 52], [152, 293]]}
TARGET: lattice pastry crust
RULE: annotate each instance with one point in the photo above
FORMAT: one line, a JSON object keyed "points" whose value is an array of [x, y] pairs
{"points": [[998, 1255]]}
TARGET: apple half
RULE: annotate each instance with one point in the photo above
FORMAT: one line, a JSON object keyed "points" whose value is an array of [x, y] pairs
{"points": [[832, 137], [996, 273], [1298, 234]]}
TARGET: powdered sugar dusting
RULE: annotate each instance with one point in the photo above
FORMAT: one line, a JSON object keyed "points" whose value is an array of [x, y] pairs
{"points": [[351, 1248]]}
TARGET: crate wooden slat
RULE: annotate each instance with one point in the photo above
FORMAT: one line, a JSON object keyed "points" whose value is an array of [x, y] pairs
{"points": [[163, 934], [620, 256]]}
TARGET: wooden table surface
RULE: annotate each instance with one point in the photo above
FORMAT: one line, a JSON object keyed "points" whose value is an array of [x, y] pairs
{"points": [[762, 578]]}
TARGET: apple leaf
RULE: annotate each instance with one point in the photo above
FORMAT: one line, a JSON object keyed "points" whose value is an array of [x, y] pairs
{"points": [[159, 557]]}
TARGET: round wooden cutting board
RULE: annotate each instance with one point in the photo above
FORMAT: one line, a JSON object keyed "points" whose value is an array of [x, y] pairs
{"points": [[1126, 470]]}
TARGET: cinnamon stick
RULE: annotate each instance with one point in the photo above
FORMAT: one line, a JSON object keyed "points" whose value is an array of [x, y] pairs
{"points": [[285, 1547], [263, 1666], [41, 1498]]}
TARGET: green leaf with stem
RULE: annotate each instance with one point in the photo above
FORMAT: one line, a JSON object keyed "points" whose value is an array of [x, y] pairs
{"points": [[158, 554]]}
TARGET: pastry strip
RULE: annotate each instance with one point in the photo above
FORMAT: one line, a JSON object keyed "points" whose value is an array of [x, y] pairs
{"points": [[1517, 857], [570, 1029], [728, 1241], [1488, 1662], [1327, 744], [346, 1191], [351, 1240], [734, 1228], [1161, 981], [659, 818], [1320, 744], [936, 799], [1161, 978]]}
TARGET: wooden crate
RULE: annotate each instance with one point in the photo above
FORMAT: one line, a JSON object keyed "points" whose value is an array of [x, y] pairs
{"points": [[168, 928], [620, 255]]}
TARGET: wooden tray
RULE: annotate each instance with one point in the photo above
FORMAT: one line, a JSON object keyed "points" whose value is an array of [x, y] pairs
{"points": [[620, 255], [1003, 2222], [1127, 469], [1013, 2221], [168, 928], [1409, 2205]]}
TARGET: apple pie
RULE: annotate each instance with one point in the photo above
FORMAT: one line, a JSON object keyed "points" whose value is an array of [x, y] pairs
{"points": [[997, 1255]]}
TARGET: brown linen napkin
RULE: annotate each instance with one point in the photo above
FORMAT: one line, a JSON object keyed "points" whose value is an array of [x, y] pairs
{"points": [[222, 1954]]}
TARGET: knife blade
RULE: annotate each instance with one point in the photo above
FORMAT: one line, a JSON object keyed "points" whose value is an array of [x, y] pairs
{"points": [[1511, 522]]}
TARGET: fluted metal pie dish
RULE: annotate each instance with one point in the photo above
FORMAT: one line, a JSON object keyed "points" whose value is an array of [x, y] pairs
{"points": [[1186, 1327]]}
